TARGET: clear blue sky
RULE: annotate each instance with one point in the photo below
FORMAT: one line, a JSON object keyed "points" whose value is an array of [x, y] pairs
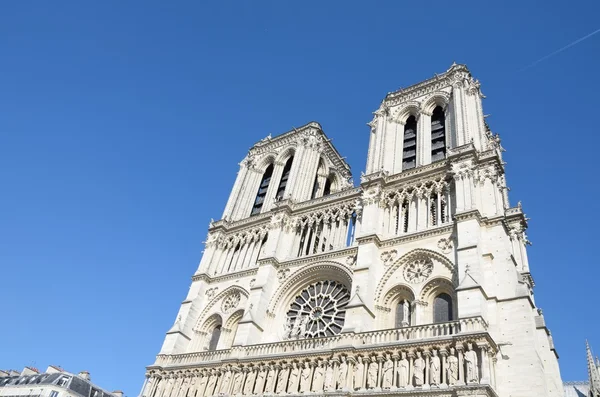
{"points": [[122, 124]]}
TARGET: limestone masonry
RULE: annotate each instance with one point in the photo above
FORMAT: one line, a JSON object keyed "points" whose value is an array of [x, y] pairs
{"points": [[415, 283]]}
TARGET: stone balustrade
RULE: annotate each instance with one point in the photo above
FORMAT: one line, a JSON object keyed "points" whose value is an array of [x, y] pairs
{"points": [[355, 340]]}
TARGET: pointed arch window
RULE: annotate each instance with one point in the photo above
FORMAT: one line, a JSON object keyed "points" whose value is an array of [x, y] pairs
{"points": [[442, 308], [327, 189], [438, 134], [409, 152], [284, 178], [262, 190], [214, 338]]}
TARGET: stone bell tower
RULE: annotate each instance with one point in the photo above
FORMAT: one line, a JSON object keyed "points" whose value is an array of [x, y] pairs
{"points": [[414, 283]]}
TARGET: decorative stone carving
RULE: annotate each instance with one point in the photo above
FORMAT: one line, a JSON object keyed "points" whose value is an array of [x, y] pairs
{"points": [[329, 381], [351, 260], [305, 378], [452, 369], [471, 362], [418, 270], [282, 274], [388, 257], [252, 282], [419, 368], [282, 379], [211, 292], [294, 381], [250, 379], [445, 245], [231, 301], [435, 366], [358, 374], [226, 380], [372, 374], [342, 374], [402, 370], [318, 377], [388, 373], [238, 380]]}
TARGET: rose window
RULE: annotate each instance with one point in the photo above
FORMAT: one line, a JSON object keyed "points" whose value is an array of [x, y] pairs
{"points": [[320, 309], [418, 271]]}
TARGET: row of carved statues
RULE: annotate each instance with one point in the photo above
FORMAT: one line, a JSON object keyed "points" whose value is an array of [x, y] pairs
{"points": [[429, 368]]}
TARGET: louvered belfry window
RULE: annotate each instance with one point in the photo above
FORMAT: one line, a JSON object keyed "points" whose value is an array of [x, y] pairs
{"points": [[438, 135], [284, 178], [262, 191], [409, 152]]}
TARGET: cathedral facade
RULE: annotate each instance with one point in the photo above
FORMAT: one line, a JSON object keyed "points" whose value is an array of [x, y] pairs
{"points": [[414, 283]]}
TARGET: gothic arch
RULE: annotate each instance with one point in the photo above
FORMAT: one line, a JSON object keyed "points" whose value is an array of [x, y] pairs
{"points": [[211, 322], [396, 293], [410, 108], [285, 154], [438, 98], [218, 298], [304, 277], [436, 286], [414, 254], [234, 318], [265, 161]]}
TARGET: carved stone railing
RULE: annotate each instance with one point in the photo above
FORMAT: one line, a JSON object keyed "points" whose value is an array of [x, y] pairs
{"points": [[353, 340]]}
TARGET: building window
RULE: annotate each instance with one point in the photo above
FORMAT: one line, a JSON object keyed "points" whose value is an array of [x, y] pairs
{"points": [[327, 189], [53, 393], [438, 135], [318, 311], [214, 338], [403, 314], [284, 179], [409, 153], [262, 190], [442, 308]]}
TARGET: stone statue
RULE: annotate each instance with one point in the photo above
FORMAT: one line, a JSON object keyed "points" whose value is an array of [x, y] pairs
{"points": [[294, 381], [271, 378], [471, 361], [452, 368], [238, 382], [405, 313], [329, 381], [202, 381], [296, 327], [288, 329], [357, 376], [226, 381], [305, 378], [372, 374], [192, 387], [434, 369], [250, 379], [261, 377], [419, 367], [388, 373], [403, 371], [342, 374], [282, 379], [212, 382], [303, 327], [318, 377]]}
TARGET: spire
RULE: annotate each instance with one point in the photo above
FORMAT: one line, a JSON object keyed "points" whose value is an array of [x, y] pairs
{"points": [[594, 377]]}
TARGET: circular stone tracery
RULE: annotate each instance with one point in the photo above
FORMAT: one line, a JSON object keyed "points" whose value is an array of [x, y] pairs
{"points": [[323, 306], [418, 270]]}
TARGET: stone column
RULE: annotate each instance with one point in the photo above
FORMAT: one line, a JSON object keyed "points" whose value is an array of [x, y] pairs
{"points": [[426, 354], [411, 369], [379, 371], [485, 364], [461, 366], [395, 357], [443, 365]]}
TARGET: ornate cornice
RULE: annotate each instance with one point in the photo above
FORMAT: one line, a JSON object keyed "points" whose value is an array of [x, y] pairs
{"points": [[327, 256], [224, 277]]}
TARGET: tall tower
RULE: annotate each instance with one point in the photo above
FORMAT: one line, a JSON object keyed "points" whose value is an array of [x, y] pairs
{"points": [[414, 283]]}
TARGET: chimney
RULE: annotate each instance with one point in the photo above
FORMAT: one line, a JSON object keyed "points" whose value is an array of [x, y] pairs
{"points": [[84, 375], [118, 393], [53, 369]]}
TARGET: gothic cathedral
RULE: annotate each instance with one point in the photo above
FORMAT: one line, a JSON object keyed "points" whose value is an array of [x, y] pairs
{"points": [[414, 283]]}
